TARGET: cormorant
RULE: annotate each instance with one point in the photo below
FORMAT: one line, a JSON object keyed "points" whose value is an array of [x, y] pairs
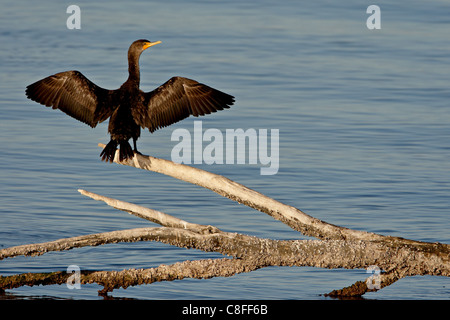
{"points": [[128, 107]]}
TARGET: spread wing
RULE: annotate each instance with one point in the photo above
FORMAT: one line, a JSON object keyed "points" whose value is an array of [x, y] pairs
{"points": [[74, 94], [176, 100]]}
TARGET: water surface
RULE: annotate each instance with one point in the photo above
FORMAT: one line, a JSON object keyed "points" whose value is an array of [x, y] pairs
{"points": [[363, 118]]}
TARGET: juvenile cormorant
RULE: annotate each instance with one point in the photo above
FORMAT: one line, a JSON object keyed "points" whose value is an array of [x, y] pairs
{"points": [[128, 107]]}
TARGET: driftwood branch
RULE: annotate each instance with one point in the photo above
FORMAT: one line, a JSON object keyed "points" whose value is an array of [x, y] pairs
{"points": [[150, 214], [293, 217], [337, 247]]}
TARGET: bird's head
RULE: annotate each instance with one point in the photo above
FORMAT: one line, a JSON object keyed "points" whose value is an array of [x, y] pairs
{"points": [[138, 46]]}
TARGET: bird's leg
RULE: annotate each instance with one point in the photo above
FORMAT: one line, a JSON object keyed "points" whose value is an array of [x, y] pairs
{"points": [[135, 147]]}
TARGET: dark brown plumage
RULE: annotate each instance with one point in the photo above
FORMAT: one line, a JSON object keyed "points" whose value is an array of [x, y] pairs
{"points": [[128, 107]]}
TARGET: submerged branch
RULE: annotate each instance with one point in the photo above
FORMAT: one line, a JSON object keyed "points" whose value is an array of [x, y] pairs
{"points": [[360, 287], [110, 280]]}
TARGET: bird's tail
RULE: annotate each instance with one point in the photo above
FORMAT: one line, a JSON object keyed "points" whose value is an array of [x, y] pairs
{"points": [[109, 151]]}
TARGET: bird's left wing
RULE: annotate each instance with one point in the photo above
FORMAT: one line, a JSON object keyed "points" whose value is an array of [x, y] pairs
{"points": [[74, 94], [176, 100]]}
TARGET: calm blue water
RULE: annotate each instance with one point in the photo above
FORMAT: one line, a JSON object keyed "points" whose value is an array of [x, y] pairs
{"points": [[363, 118]]}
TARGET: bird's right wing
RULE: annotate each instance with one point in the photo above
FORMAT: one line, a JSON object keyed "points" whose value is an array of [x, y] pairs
{"points": [[74, 94]]}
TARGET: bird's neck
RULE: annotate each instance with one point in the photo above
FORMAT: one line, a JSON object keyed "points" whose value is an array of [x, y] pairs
{"points": [[133, 70]]}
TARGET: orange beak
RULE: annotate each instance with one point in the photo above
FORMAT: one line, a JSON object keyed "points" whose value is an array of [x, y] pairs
{"points": [[150, 44]]}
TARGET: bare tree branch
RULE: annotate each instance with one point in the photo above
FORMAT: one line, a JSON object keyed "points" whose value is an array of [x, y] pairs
{"points": [[150, 214], [338, 248], [289, 215], [254, 252]]}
